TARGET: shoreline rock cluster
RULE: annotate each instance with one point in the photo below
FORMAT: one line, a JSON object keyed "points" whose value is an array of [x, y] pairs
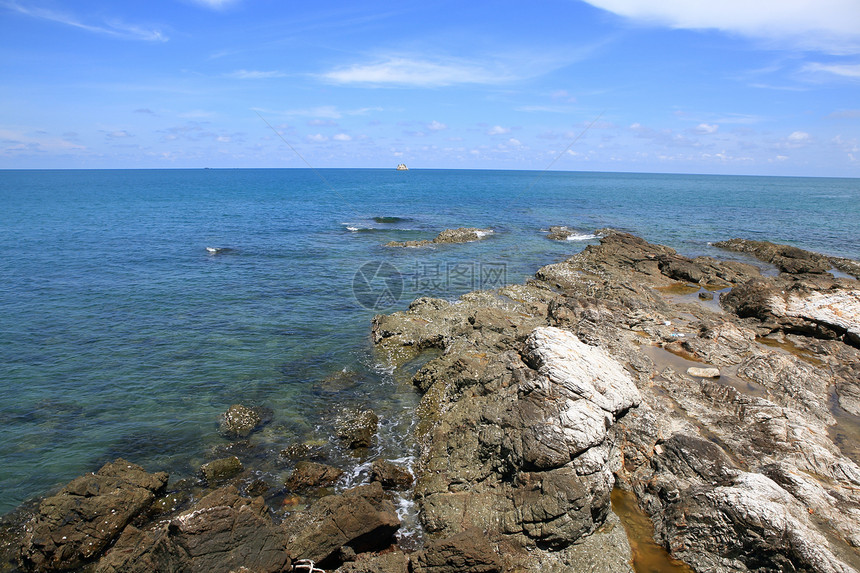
{"points": [[522, 438], [735, 429]]}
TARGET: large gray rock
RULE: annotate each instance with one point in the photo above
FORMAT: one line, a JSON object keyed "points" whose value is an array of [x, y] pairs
{"points": [[588, 389], [73, 527]]}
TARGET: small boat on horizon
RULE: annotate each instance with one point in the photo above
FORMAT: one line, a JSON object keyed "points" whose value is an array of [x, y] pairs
{"points": [[402, 167]]}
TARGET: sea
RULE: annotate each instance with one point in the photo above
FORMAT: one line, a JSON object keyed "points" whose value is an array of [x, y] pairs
{"points": [[136, 306]]}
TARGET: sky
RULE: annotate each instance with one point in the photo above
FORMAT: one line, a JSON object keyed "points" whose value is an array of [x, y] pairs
{"points": [[758, 87]]}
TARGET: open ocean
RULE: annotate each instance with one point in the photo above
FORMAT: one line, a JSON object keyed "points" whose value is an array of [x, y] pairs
{"points": [[122, 335]]}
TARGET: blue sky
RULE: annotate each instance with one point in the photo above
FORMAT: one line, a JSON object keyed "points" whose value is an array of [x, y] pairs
{"points": [[687, 86]]}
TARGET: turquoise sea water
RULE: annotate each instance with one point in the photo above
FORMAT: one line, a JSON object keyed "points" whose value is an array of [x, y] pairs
{"points": [[121, 335]]}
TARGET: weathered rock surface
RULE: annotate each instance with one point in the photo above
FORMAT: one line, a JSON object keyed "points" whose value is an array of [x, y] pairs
{"points": [[73, 527], [786, 258], [310, 475], [356, 427], [362, 519], [239, 421], [461, 235], [221, 469], [465, 552], [223, 532], [390, 475], [522, 431]]}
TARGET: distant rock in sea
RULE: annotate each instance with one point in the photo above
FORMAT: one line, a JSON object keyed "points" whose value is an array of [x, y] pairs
{"points": [[461, 235]]}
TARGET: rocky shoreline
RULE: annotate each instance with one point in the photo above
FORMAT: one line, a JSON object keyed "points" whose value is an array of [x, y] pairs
{"points": [[735, 427]]}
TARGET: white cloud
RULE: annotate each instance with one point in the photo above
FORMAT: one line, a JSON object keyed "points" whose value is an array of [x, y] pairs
{"points": [[317, 138], [320, 112], [436, 126], [795, 140], [13, 141], [515, 142], [498, 130], [844, 70], [113, 27], [342, 137], [215, 4], [255, 75], [417, 73], [829, 25], [706, 128]]}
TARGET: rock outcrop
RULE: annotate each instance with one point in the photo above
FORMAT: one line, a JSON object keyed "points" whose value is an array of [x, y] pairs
{"points": [[358, 520], [460, 235], [76, 525], [223, 532], [547, 393]]}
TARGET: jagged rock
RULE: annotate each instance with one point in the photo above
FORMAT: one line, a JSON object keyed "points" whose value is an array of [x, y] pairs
{"points": [[223, 532], [221, 469], [310, 475], [589, 390], [749, 524], [390, 475], [356, 427], [466, 552], [787, 258], [239, 421], [361, 518], [76, 525]]}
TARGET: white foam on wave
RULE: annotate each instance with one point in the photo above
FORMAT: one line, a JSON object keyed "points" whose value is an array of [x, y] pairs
{"points": [[581, 237], [483, 233]]}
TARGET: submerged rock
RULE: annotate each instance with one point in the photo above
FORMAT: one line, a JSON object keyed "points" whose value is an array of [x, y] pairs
{"points": [[239, 421], [356, 427], [221, 469]]}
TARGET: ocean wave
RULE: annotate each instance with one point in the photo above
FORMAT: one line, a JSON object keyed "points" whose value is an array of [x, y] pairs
{"points": [[581, 237]]}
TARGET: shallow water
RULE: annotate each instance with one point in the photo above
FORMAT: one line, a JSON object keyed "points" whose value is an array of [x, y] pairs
{"points": [[648, 556], [122, 335]]}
